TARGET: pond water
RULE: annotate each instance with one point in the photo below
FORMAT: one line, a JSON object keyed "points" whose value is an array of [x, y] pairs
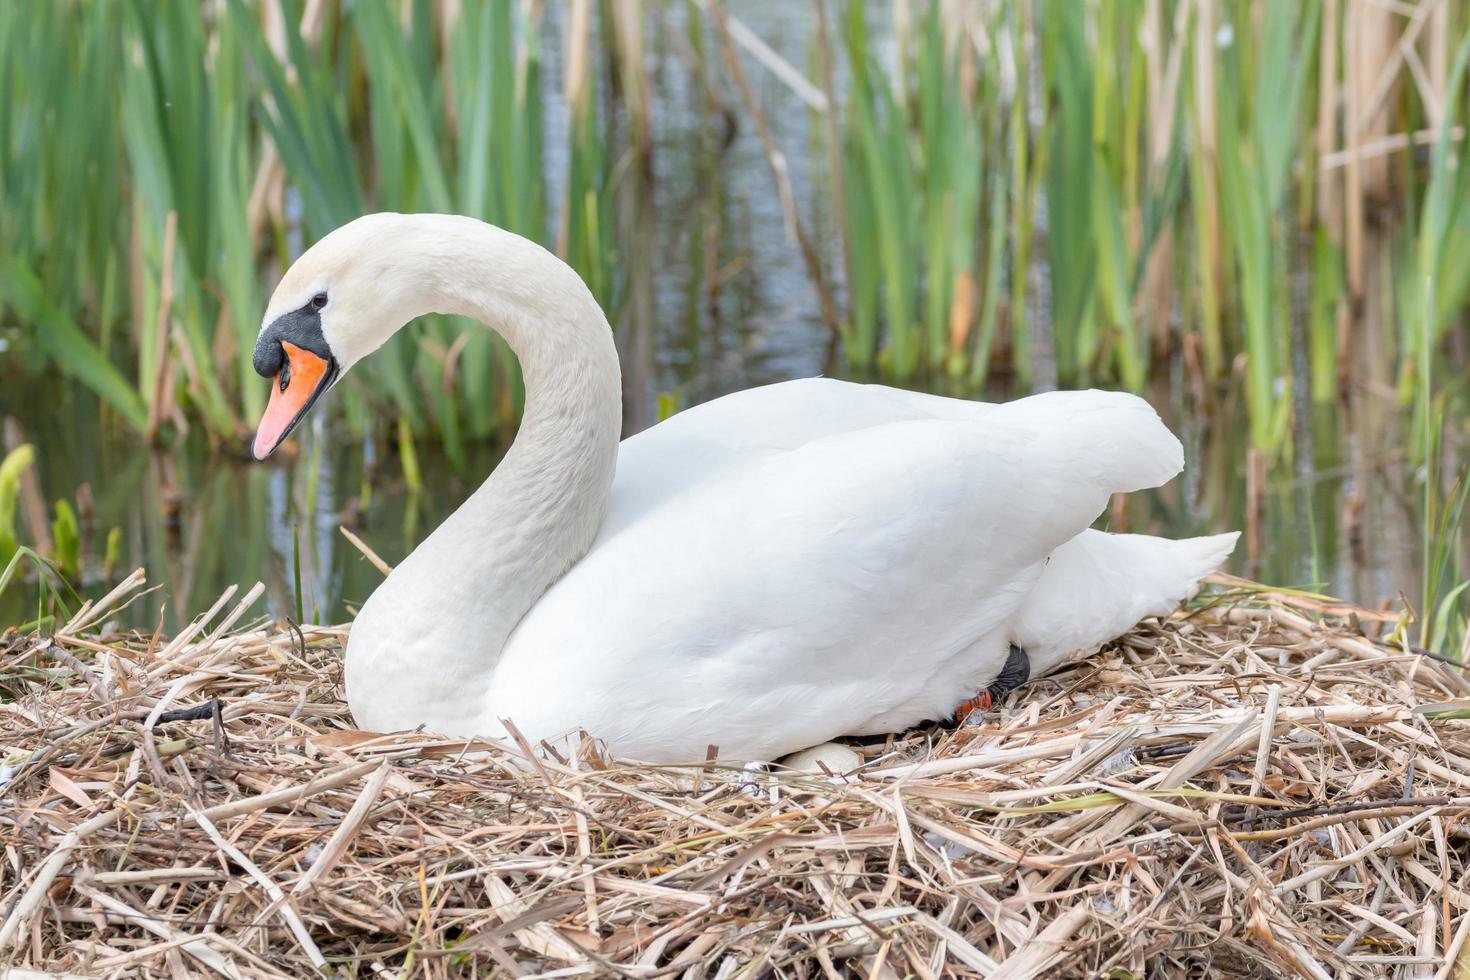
{"points": [[1341, 514]]}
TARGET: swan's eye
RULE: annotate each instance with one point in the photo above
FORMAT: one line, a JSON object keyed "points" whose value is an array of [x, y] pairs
{"points": [[318, 301]]}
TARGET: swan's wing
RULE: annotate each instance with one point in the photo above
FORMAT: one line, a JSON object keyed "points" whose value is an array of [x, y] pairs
{"points": [[792, 413], [673, 456], [790, 595]]}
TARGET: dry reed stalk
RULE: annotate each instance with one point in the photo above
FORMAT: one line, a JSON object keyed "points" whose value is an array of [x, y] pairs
{"points": [[1390, 63], [1154, 300], [367, 552], [576, 90], [833, 139], [1329, 190], [1377, 55], [574, 84], [782, 70], [1439, 53], [1207, 141], [1390, 144], [627, 24], [1255, 503], [1253, 787], [1352, 132], [779, 169]]}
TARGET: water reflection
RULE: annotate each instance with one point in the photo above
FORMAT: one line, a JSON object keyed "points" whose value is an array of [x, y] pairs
{"points": [[1341, 514]]}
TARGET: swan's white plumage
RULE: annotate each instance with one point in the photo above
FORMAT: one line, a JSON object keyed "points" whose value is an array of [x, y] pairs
{"points": [[763, 572], [812, 558], [1097, 586]]}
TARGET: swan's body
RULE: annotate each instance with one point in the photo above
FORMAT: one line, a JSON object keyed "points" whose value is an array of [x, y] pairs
{"points": [[764, 572]]}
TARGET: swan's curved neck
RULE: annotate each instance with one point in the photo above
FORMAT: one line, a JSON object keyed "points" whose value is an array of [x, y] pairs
{"points": [[474, 578]]}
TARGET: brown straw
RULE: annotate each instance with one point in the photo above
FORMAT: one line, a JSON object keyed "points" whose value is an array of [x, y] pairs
{"points": [[1254, 787]]}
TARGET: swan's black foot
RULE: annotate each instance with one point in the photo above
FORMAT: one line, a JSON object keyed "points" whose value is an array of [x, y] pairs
{"points": [[1017, 671]]}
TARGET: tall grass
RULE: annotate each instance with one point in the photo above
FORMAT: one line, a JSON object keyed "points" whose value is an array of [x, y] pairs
{"points": [[12, 465], [1161, 152], [1173, 157], [159, 163], [1260, 91], [1052, 192], [1444, 248], [61, 192]]}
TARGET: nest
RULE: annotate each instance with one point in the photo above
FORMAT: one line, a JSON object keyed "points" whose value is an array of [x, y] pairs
{"points": [[1255, 787]]}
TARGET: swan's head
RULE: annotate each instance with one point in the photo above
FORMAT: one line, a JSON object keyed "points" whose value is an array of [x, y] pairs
{"points": [[338, 302]]}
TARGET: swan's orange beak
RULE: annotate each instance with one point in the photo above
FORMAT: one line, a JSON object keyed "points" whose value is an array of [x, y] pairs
{"points": [[302, 378]]}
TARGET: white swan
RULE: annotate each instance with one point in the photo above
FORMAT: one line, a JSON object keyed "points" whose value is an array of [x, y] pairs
{"points": [[765, 571]]}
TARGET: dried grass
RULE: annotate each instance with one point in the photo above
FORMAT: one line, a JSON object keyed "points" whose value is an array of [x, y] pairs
{"points": [[1254, 788]]}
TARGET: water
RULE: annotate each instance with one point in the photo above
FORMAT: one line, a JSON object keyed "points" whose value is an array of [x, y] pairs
{"points": [[1341, 514]]}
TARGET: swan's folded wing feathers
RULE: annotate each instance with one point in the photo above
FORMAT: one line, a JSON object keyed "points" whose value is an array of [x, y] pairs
{"points": [[1112, 438], [785, 584], [738, 429], [790, 414]]}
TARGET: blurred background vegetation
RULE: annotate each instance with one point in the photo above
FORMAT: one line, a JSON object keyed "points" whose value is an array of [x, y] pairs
{"points": [[1252, 212]]}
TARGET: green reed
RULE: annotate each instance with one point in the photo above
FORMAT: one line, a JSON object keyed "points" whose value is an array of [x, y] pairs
{"points": [[1161, 162], [1260, 93], [1125, 175], [160, 163], [1161, 152], [12, 465], [1444, 250], [61, 191]]}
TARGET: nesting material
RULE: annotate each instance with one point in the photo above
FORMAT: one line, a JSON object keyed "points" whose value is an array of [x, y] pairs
{"points": [[1254, 788]]}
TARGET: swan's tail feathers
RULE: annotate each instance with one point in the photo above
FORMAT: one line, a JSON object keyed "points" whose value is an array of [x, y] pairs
{"points": [[1113, 440], [1097, 586]]}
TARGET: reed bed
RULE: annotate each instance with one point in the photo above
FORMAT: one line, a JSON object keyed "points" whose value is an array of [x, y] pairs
{"points": [[1053, 187], [1258, 786], [159, 169]]}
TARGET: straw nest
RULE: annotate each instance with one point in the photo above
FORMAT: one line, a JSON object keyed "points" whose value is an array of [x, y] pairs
{"points": [[1257, 787]]}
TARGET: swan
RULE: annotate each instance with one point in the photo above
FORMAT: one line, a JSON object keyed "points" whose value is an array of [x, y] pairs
{"points": [[760, 573]]}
